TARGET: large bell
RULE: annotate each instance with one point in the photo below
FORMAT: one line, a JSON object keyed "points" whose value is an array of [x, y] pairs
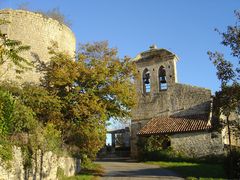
{"points": [[146, 80]]}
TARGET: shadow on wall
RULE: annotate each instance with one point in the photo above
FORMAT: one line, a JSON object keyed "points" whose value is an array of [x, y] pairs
{"points": [[200, 111]]}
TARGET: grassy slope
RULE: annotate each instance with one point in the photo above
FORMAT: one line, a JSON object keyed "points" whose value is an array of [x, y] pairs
{"points": [[198, 170]]}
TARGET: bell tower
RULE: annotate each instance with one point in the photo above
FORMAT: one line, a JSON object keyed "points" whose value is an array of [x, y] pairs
{"points": [[157, 77], [157, 71]]}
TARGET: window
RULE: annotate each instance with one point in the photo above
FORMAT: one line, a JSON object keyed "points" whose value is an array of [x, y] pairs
{"points": [[162, 79], [146, 81]]}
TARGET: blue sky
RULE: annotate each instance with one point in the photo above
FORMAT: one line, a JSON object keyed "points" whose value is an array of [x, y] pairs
{"points": [[185, 27]]}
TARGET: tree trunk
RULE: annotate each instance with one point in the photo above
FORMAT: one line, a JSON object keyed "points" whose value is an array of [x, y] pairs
{"points": [[230, 148], [41, 164], [229, 135]]}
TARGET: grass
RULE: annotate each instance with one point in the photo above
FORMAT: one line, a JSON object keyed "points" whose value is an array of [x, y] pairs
{"points": [[80, 177], [192, 171], [91, 172]]}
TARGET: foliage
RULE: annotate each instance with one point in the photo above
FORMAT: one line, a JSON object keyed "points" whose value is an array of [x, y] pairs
{"points": [[5, 150], [10, 51], [15, 117], [194, 170], [164, 155], [78, 97], [227, 100], [46, 106], [156, 147], [54, 13], [24, 119], [46, 138], [60, 173], [6, 113], [92, 89], [156, 143], [227, 72]]}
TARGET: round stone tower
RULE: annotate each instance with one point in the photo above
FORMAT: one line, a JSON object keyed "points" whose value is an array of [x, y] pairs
{"points": [[39, 32]]}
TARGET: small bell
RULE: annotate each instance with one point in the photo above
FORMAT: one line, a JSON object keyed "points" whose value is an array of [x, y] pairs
{"points": [[163, 79]]}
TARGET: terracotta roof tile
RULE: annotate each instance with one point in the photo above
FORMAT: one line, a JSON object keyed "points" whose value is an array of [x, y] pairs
{"points": [[163, 125]]}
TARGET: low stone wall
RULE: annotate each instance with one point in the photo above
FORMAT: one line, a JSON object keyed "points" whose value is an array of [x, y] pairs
{"points": [[51, 163], [198, 144]]}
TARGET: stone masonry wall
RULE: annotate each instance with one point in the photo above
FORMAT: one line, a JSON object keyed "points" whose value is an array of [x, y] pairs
{"points": [[38, 32], [197, 144], [51, 163], [179, 99]]}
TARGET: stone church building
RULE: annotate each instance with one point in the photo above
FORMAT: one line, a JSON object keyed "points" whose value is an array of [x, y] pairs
{"points": [[166, 107]]}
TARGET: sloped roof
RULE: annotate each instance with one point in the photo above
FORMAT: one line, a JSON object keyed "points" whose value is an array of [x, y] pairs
{"points": [[166, 125]]}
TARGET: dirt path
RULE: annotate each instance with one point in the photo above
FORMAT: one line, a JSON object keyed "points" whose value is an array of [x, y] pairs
{"points": [[134, 171]]}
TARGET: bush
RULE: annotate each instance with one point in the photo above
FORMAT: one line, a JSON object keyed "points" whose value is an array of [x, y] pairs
{"points": [[6, 112], [164, 155], [232, 164], [6, 154]]}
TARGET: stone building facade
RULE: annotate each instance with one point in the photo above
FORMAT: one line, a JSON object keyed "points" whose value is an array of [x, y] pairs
{"points": [[166, 107], [39, 32]]}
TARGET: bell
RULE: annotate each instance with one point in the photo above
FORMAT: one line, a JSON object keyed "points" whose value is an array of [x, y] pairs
{"points": [[146, 81], [163, 79]]}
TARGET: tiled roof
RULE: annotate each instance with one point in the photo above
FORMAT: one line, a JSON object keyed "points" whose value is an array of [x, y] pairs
{"points": [[164, 125]]}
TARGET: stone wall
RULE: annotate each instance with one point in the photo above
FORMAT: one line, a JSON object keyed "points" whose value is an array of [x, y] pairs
{"points": [[179, 99], [51, 164], [197, 144], [235, 138], [37, 31]]}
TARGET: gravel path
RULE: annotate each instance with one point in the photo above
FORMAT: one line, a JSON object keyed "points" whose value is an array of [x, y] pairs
{"points": [[134, 171]]}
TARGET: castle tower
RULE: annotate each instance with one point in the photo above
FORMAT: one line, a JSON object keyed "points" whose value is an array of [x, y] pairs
{"points": [[39, 32]]}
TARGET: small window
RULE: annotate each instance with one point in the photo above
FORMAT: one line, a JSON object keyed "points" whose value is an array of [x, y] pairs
{"points": [[146, 81], [162, 79]]}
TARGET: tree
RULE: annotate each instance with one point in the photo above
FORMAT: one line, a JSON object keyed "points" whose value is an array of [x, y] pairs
{"points": [[54, 13], [227, 100], [94, 88], [228, 73], [10, 54]]}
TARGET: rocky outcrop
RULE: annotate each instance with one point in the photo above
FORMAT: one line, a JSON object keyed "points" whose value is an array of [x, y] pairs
{"points": [[47, 166]]}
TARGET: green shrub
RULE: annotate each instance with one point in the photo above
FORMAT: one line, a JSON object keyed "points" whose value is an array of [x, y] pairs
{"points": [[46, 138], [6, 154], [60, 173], [6, 112], [15, 117], [164, 155]]}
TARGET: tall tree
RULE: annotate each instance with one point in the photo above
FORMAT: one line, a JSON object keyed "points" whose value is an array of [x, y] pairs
{"points": [[94, 88], [227, 100], [228, 72]]}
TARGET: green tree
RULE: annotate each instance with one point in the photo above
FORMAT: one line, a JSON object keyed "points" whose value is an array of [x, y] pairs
{"points": [[94, 88], [10, 54], [15, 117], [228, 72], [227, 100]]}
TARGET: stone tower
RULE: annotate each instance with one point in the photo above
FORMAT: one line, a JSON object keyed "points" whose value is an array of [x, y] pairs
{"points": [[157, 69], [37, 31], [159, 93]]}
